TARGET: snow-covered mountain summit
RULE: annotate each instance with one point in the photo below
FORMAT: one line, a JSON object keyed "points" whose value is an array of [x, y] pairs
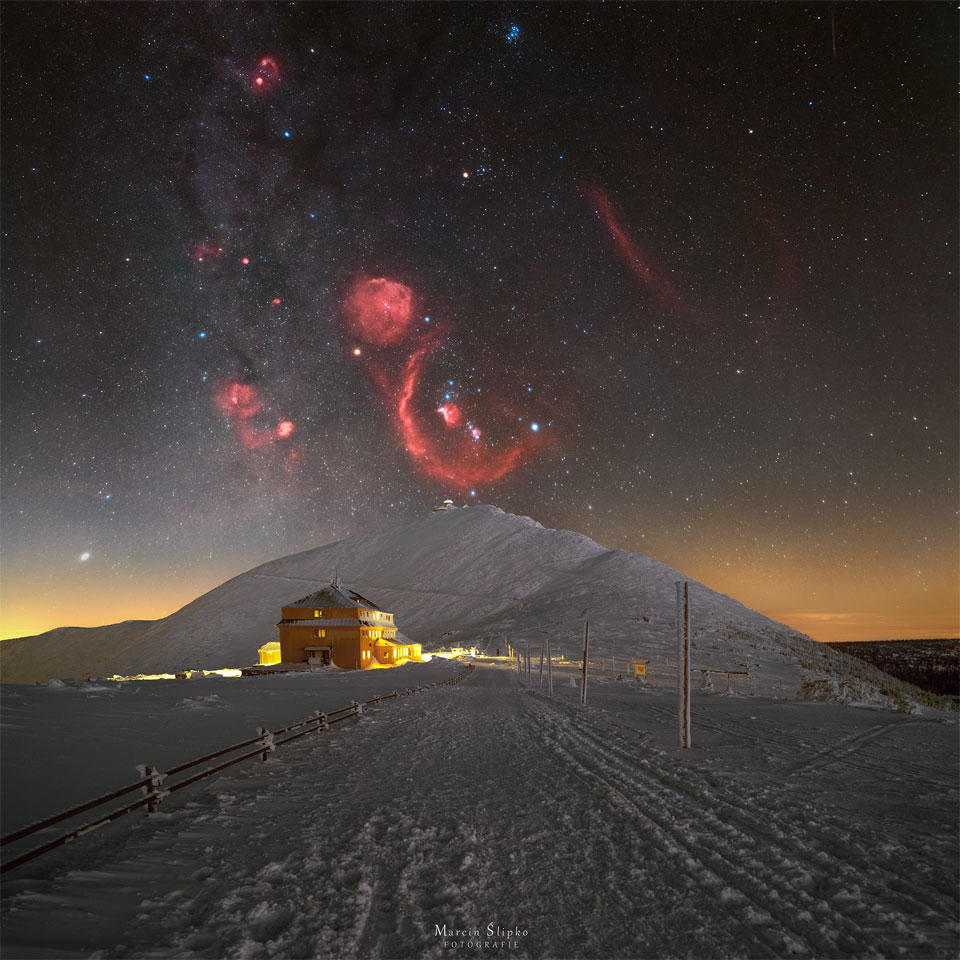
{"points": [[451, 577]]}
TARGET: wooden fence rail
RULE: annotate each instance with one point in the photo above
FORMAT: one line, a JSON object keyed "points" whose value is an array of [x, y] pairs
{"points": [[151, 782]]}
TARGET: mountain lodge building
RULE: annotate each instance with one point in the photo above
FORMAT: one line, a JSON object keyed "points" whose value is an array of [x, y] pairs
{"points": [[338, 627]]}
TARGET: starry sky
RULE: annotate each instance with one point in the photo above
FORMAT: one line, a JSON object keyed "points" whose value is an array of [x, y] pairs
{"points": [[680, 277]]}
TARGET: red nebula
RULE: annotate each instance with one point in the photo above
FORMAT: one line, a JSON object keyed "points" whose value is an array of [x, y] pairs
{"points": [[284, 428], [253, 437], [206, 250], [379, 310], [238, 401], [275, 301], [463, 462], [450, 413], [640, 260], [266, 75]]}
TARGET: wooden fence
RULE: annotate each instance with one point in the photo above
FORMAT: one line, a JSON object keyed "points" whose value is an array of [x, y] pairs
{"points": [[152, 784]]}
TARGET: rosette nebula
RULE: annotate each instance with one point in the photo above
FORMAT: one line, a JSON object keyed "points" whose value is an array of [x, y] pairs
{"points": [[238, 401]]}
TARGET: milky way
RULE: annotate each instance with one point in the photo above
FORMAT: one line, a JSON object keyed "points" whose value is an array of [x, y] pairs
{"points": [[680, 277]]}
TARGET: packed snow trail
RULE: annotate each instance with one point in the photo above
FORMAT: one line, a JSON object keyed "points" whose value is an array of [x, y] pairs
{"points": [[487, 807]]}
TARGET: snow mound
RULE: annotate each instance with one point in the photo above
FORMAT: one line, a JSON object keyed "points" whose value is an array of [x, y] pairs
{"points": [[857, 692]]}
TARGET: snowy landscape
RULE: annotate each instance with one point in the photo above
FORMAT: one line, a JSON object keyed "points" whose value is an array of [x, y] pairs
{"points": [[454, 577], [465, 467], [814, 815]]}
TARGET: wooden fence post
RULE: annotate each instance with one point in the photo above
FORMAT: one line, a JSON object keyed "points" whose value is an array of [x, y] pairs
{"points": [[266, 740], [586, 648], [549, 670], [683, 662], [151, 786]]}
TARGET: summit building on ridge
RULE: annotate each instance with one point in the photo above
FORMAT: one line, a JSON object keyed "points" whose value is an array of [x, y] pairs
{"points": [[337, 627]]}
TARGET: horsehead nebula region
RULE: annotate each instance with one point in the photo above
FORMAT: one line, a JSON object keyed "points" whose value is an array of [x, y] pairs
{"points": [[462, 444]]}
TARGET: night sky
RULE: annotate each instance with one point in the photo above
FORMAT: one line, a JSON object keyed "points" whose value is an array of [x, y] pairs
{"points": [[679, 277]]}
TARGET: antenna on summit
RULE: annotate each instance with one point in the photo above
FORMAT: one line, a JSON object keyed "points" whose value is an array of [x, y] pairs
{"points": [[336, 578]]}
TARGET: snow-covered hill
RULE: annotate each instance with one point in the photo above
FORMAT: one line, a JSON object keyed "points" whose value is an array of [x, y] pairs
{"points": [[452, 577]]}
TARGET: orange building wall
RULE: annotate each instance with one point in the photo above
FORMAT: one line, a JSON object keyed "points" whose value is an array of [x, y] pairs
{"points": [[346, 643]]}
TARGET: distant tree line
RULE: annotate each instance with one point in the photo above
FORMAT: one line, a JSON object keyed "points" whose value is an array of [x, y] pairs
{"points": [[932, 665]]}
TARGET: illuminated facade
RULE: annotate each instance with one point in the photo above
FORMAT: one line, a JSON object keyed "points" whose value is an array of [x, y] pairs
{"points": [[269, 653], [334, 626]]}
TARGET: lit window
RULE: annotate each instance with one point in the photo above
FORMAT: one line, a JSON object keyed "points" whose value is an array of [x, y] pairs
{"points": [[316, 613]]}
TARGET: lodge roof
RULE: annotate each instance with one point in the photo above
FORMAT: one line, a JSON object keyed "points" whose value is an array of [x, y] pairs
{"points": [[343, 622], [332, 597]]}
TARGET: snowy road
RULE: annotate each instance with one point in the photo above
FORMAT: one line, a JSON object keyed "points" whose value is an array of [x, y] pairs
{"points": [[487, 807]]}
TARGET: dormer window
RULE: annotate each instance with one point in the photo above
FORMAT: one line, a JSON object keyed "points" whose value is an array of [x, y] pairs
{"points": [[316, 613]]}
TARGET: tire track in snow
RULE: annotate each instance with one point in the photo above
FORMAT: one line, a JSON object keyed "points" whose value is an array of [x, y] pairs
{"points": [[682, 836], [835, 836], [695, 832], [843, 748], [748, 735]]}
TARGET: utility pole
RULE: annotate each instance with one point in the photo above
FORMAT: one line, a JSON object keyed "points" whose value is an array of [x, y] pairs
{"points": [[586, 647], [541, 666], [683, 662]]}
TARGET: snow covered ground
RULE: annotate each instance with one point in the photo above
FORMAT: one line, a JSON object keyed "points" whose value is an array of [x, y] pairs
{"points": [[791, 828]]}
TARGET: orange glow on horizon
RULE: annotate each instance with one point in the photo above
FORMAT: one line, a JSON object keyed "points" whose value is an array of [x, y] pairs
{"points": [[877, 593], [842, 602]]}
